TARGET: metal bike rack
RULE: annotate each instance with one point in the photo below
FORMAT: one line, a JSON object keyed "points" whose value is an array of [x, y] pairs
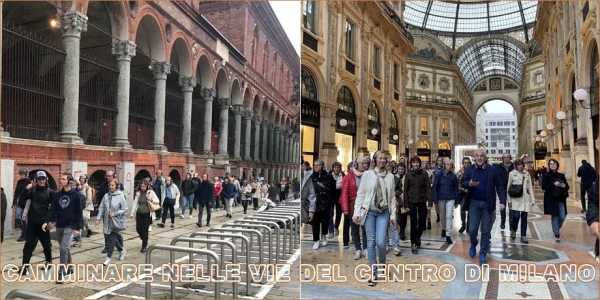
{"points": [[25, 294], [267, 229], [173, 249], [278, 220], [269, 224], [252, 232], [209, 242], [294, 225], [245, 241]]}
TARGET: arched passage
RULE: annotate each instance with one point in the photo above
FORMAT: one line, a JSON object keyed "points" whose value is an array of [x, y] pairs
{"points": [[139, 176], [236, 99], [51, 181], [180, 67], [204, 82], [499, 132]]}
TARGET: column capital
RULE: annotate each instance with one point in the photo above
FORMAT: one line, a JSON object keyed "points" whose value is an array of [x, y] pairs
{"points": [[224, 102], [160, 70], [256, 119], [238, 110], [248, 114], [270, 126], [187, 83], [124, 50], [208, 93], [73, 23], [277, 129]]}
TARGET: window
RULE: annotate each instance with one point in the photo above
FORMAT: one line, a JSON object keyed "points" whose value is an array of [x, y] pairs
{"points": [[395, 76], [538, 78], [512, 123], [494, 144], [539, 121], [514, 137], [444, 85], [493, 151], [309, 15], [486, 130], [350, 40], [376, 62], [487, 123], [507, 144], [513, 130], [444, 125], [423, 123], [424, 98]]}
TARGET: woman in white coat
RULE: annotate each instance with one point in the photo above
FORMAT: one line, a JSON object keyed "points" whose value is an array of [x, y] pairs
{"points": [[375, 208], [520, 206]]}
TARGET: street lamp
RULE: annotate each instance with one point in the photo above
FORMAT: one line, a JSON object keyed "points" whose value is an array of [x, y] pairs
{"points": [[580, 95]]}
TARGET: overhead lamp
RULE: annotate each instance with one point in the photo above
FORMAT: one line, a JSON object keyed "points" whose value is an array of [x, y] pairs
{"points": [[543, 133], [395, 137], [374, 131], [550, 126], [580, 95], [561, 115], [54, 23], [343, 122], [538, 138], [408, 142]]}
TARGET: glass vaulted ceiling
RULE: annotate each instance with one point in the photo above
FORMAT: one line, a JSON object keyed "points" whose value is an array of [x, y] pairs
{"points": [[469, 18]]}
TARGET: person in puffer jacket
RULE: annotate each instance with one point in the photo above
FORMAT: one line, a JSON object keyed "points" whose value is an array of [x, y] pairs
{"points": [[350, 185]]}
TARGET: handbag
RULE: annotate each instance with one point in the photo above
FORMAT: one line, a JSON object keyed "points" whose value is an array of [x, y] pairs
{"points": [[117, 222], [516, 190], [153, 206], [560, 193]]}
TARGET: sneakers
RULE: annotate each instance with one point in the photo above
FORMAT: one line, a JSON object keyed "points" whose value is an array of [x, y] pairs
{"points": [[190, 217], [365, 254], [199, 225], [323, 240], [104, 250], [557, 238], [397, 251], [357, 255], [122, 254], [372, 284], [316, 245], [77, 244], [346, 247], [161, 225], [182, 216], [502, 225], [106, 261], [330, 235], [150, 228], [172, 225], [482, 259], [524, 240], [513, 234], [21, 239], [472, 251]]}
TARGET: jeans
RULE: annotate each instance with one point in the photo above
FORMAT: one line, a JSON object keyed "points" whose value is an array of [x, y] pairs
{"points": [[584, 188], [65, 236], [114, 239], [245, 204], [338, 217], [447, 212], [557, 221], [395, 235], [255, 203], [376, 226], [189, 202], [418, 218], [201, 210], [216, 202], [515, 215], [479, 216], [19, 216]]}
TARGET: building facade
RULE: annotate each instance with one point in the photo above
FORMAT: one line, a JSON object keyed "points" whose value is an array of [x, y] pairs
{"points": [[501, 135], [140, 86]]}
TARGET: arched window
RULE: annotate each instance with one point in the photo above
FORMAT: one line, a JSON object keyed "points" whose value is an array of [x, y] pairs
{"points": [[394, 120], [423, 145], [345, 100], [309, 88], [444, 146], [373, 112]]}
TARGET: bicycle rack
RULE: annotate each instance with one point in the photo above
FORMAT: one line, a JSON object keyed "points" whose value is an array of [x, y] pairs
{"points": [[267, 229], [269, 224], [277, 220], [173, 249], [209, 242], [245, 241], [259, 235], [294, 225], [25, 294]]}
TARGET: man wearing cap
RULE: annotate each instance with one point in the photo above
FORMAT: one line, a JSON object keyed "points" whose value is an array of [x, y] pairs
{"points": [[588, 176], [38, 199]]}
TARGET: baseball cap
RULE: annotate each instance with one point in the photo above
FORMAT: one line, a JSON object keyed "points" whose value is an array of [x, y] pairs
{"points": [[41, 174]]}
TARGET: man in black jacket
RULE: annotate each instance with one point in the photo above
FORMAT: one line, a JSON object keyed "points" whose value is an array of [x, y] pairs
{"points": [[503, 170], [592, 213], [66, 210], [588, 176], [324, 185], [37, 205], [19, 202], [204, 195]]}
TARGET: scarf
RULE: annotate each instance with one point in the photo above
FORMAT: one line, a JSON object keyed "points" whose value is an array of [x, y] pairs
{"points": [[381, 192], [357, 173]]}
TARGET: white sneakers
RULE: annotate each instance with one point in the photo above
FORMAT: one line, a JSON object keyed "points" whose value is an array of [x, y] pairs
{"points": [[357, 255], [316, 245], [150, 228], [323, 240], [106, 261], [122, 254], [190, 217], [182, 216]]}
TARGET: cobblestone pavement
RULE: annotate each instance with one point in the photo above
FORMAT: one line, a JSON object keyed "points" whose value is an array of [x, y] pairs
{"points": [[90, 253]]}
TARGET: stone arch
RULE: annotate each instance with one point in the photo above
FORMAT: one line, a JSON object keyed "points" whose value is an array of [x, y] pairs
{"points": [[445, 144], [513, 102], [139, 176], [278, 118], [256, 105], [247, 99], [358, 105], [272, 114], [423, 144], [433, 38], [380, 110], [396, 114], [236, 93], [265, 110], [315, 73], [222, 84], [179, 57], [146, 39], [204, 72], [117, 12], [590, 40], [175, 177], [51, 181]]}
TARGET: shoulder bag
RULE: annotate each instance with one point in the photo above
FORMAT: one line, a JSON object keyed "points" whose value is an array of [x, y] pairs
{"points": [[117, 223], [516, 190], [151, 205]]}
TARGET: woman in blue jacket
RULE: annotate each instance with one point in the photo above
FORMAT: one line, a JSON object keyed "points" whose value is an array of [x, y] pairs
{"points": [[445, 193]]}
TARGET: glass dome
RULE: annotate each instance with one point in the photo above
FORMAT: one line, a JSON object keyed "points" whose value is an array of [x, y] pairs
{"points": [[471, 17]]}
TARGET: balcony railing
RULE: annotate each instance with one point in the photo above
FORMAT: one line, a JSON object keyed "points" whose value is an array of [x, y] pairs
{"points": [[392, 14], [533, 98], [440, 101]]}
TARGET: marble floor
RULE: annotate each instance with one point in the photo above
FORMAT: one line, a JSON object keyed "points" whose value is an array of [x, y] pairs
{"points": [[514, 270]]}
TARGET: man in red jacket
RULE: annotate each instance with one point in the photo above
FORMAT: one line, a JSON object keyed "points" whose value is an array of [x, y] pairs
{"points": [[350, 185]]}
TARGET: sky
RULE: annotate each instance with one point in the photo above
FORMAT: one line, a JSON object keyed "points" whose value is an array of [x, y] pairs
{"points": [[288, 13], [498, 106]]}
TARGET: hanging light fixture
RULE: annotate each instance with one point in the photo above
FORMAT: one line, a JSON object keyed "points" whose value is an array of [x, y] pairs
{"points": [[343, 122], [374, 131]]}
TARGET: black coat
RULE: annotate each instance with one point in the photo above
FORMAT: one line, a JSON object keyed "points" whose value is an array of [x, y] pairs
{"points": [[551, 204], [503, 174], [587, 174], [592, 212], [205, 192], [324, 186]]}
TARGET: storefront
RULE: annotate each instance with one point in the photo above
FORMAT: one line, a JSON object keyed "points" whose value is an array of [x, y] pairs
{"points": [[373, 129], [444, 150], [394, 137], [310, 118], [345, 127], [424, 150], [540, 150]]}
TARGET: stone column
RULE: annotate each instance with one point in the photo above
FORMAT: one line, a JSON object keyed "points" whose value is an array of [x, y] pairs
{"points": [[265, 137], [187, 86], [223, 125], [72, 23], [256, 119], [271, 143], [124, 51], [237, 111], [248, 134], [277, 147], [207, 96], [286, 147], [160, 70]]}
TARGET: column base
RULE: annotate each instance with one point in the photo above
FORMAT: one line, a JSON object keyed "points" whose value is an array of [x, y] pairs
{"points": [[159, 147], [121, 143], [248, 158], [5, 134], [206, 152], [239, 158], [71, 138], [257, 161], [187, 151]]}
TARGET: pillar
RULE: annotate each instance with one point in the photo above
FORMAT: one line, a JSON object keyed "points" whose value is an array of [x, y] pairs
{"points": [[160, 70], [187, 87], [72, 23], [223, 125], [248, 134], [277, 147], [237, 111], [265, 137], [256, 119], [124, 50], [207, 97], [271, 142]]}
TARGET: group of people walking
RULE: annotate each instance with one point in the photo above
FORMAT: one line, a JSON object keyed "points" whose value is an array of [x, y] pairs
{"points": [[377, 196]]}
